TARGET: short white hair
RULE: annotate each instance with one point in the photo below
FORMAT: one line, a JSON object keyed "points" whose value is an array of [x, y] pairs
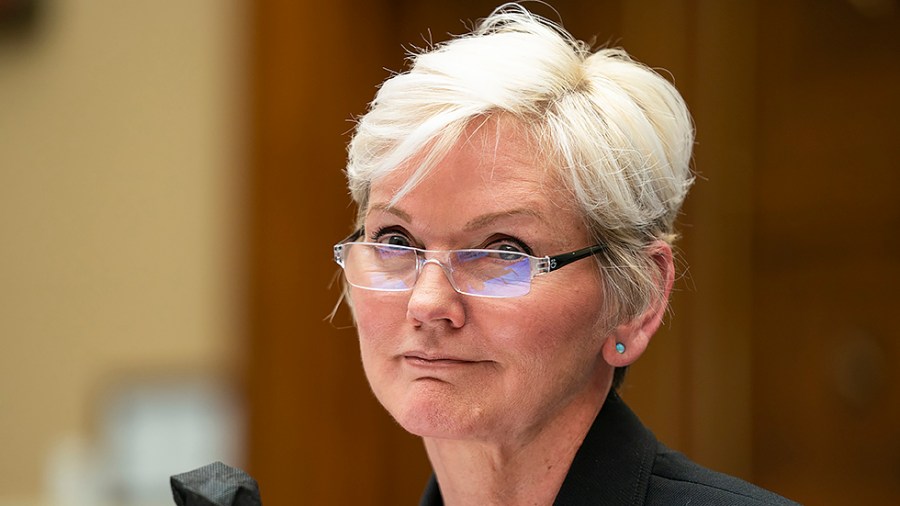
{"points": [[618, 133]]}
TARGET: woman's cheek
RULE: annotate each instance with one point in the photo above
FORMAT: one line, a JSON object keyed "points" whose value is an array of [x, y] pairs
{"points": [[377, 316]]}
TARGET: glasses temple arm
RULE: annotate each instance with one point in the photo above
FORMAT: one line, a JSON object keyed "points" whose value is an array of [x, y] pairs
{"points": [[564, 259]]}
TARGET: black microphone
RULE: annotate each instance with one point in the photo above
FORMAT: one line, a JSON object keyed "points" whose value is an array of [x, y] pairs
{"points": [[215, 484]]}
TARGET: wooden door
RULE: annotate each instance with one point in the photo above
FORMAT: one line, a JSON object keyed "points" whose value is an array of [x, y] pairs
{"points": [[827, 253]]}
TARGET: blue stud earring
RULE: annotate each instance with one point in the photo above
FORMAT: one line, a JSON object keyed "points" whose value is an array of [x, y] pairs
{"points": [[620, 348]]}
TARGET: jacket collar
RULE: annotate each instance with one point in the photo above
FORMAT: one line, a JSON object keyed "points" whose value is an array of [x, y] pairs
{"points": [[614, 461]]}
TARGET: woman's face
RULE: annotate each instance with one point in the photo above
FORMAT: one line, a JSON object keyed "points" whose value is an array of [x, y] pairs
{"points": [[449, 365]]}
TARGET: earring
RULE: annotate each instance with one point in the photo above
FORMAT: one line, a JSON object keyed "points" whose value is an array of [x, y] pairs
{"points": [[620, 348]]}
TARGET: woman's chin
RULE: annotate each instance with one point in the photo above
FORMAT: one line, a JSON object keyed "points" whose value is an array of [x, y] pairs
{"points": [[431, 418]]}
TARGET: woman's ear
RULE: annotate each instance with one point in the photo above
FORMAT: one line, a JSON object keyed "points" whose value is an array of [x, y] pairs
{"points": [[627, 342]]}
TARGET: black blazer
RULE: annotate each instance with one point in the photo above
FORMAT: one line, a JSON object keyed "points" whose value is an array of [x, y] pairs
{"points": [[620, 462]]}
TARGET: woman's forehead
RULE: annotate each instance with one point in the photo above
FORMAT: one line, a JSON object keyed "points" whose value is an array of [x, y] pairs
{"points": [[475, 188], [497, 152]]}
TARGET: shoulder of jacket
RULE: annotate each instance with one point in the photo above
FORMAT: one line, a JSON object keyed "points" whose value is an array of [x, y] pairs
{"points": [[675, 479]]}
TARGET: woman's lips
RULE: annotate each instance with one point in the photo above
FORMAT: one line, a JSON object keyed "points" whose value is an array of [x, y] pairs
{"points": [[436, 361]]}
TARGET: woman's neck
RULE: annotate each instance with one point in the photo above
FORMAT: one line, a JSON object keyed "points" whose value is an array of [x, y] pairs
{"points": [[528, 469]]}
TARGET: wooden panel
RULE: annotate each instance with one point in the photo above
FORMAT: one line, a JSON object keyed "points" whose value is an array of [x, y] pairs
{"points": [[316, 435], [826, 252], [718, 243]]}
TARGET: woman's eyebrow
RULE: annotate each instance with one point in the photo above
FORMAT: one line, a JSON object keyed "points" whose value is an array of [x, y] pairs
{"points": [[387, 208], [474, 224], [489, 218]]}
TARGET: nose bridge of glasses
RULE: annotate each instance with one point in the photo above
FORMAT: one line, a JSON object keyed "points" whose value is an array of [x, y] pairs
{"points": [[443, 263]]}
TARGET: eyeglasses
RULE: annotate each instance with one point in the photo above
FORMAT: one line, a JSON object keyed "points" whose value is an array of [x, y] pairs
{"points": [[479, 272]]}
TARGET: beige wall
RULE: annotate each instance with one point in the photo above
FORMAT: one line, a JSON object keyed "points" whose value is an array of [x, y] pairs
{"points": [[120, 212]]}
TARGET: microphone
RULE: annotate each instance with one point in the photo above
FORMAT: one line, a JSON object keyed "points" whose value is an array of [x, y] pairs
{"points": [[215, 484]]}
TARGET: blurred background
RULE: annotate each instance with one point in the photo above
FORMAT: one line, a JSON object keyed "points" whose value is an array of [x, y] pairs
{"points": [[171, 186]]}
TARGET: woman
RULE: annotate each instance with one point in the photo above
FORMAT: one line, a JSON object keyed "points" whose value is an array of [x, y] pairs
{"points": [[513, 255]]}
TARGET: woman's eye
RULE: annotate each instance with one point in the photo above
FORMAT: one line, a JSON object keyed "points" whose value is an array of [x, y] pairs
{"points": [[515, 251], [508, 247], [393, 239]]}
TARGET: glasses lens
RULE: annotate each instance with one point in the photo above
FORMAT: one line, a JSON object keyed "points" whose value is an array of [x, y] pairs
{"points": [[379, 267], [491, 273]]}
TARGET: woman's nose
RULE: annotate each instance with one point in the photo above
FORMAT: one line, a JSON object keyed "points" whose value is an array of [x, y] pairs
{"points": [[434, 300]]}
